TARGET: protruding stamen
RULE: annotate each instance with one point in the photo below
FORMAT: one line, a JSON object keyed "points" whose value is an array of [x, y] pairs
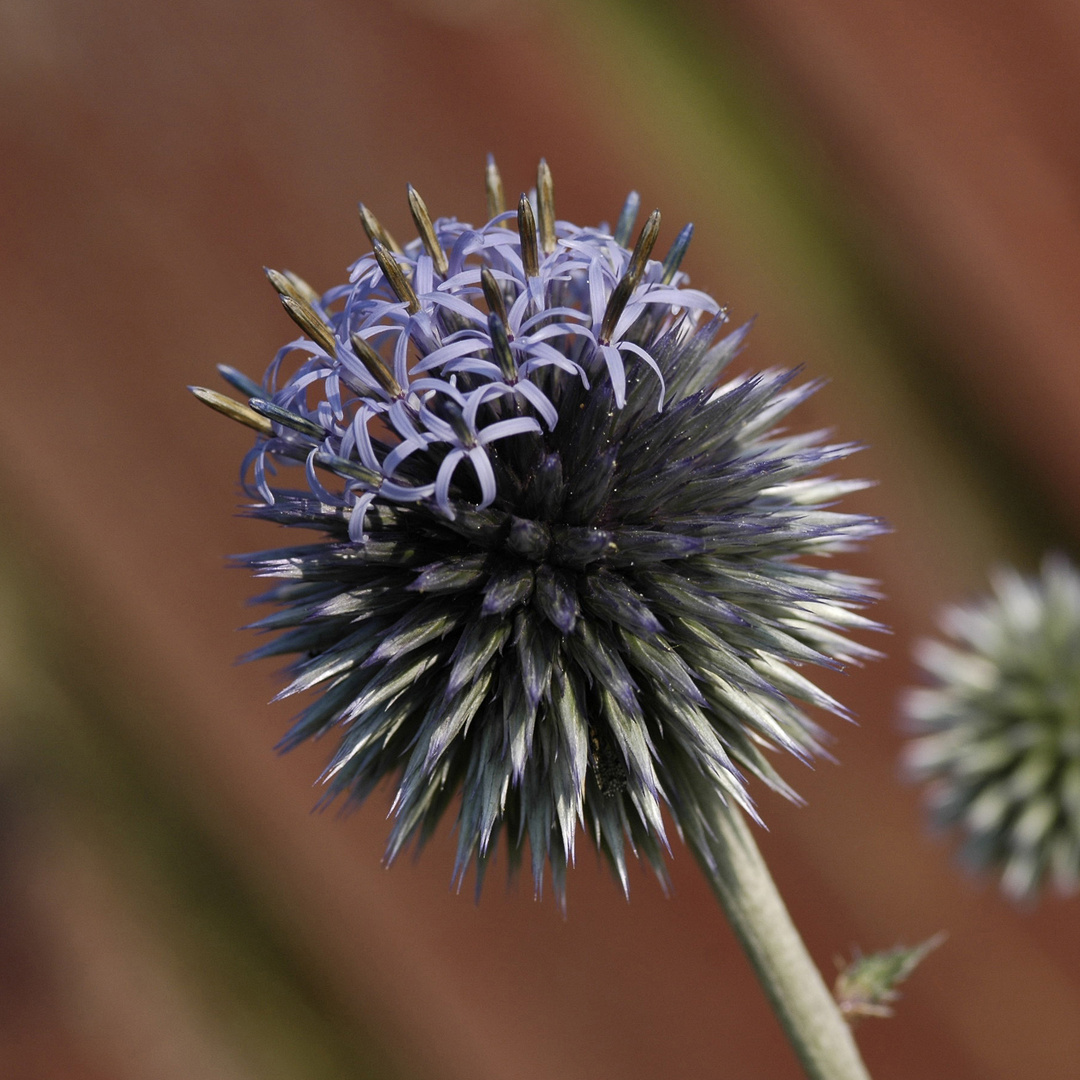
{"points": [[239, 381], [453, 415], [352, 470], [398, 282], [311, 324], [626, 285], [376, 366], [418, 209], [283, 286], [286, 283], [496, 302], [303, 290], [294, 293], [500, 346], [288, 419], [496, 200], [675, 255], [234, 410], [625, 225], [527, 230], [376, 232], [545, 198], [643, 248]]}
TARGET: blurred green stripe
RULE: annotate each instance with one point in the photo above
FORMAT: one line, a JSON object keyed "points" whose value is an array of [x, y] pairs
{"points": [[64, 738], [691, 97]]}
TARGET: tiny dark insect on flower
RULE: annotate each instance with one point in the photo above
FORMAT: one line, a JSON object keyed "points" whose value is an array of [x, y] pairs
{"points": [[561, 580]]}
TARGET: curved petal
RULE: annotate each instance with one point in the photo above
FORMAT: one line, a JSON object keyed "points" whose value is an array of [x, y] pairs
{"points": [[472, 346], [616, 372], [316, 485], [597, 294], [402, 422], [397, 456], [479, 397], [358, 516], [457, 305], [365, 451], [680, 298], [402, 493], [485, 474], [639, 351], [547, 313], [442, 481], [502, 428], [539, 401], [424, 276]]}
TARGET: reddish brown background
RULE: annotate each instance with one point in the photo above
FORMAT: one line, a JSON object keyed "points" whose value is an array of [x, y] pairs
{"points": [[893, 187]]}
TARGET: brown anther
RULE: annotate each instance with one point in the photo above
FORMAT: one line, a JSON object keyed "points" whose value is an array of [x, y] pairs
{"points": [[624, 288], [302, 289], [398, 282], [545, 198], [376, 232], [234, 410], [496, 201], [286, 283], [308, 320], [496, 302], [282, 285], [500, 346], [530, 257], [452, 414], [418, 209], [643, 248], [376, 366]]}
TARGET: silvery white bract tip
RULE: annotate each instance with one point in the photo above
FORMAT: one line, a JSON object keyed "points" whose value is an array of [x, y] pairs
{"points": [[998, 728], [562, 578]]}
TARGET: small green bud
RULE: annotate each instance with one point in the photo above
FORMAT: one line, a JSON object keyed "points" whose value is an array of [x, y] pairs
{"points": [[866, 986]]}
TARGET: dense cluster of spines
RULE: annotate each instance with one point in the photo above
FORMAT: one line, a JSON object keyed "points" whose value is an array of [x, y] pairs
{"points": [[998, 731], [560, 581]]}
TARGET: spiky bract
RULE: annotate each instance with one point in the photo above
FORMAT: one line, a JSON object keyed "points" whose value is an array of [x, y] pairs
{"points": [[561, 579], [999, 729]]}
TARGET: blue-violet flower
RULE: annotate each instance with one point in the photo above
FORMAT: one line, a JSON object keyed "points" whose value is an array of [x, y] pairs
{"points": [[561, 582]]}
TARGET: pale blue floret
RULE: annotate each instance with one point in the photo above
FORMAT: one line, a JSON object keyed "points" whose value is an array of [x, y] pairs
{"points": [[584, 269]]}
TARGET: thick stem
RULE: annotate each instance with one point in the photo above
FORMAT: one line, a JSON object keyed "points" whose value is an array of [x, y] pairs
{"points": [[746, 891]]}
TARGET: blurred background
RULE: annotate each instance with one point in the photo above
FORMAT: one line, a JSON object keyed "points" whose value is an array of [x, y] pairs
{"points": [[894, 189]]}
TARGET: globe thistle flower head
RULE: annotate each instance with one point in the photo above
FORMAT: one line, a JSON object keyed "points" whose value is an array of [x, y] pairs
{"points": [[998, 728], [561, 582]]}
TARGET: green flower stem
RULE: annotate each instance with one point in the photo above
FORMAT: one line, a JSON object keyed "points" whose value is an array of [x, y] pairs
{"points": [[746, 891]]}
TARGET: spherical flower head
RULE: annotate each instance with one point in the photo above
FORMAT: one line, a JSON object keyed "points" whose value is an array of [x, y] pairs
{"points": [[561, 582], [998, 731]]}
